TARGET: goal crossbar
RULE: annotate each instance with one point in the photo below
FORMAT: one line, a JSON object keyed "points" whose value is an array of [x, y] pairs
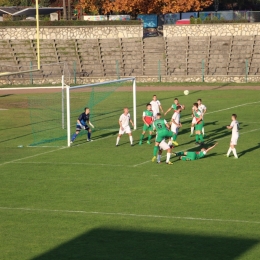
{"points": [[68, 89]]}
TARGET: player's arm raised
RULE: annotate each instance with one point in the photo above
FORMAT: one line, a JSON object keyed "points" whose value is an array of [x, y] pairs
{"points": [[210, 148]]}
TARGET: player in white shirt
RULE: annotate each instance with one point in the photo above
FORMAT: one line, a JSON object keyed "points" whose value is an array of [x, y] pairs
{"points": [[235, 134], [202, 108], [176, 124], [164, 146], [124, 120], [156, 106]]}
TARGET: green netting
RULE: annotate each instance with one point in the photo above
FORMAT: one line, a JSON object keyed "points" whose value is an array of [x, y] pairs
{"points": [[106, 103]]}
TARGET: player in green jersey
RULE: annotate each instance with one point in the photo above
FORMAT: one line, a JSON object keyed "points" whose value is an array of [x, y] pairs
{"points": [[191, 156], [174, 106], [199, 124], [148, 124], [162, 128]]}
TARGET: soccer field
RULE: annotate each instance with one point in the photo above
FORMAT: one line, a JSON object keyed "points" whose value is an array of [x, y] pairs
{"points": [[98, 201]]}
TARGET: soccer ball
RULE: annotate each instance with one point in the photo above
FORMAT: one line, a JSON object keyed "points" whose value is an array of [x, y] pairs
{"points": [[186, 92]]}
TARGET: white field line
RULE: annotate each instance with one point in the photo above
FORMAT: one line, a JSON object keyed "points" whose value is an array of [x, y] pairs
{"points": [[26, 88], [224, 109], [32, 156], [132, 215], [35, 155], [61, 163], [257, 129], [3, 109]]}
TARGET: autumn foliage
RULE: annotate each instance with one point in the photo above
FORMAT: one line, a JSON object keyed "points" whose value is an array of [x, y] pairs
{"points": [[143, 6]]}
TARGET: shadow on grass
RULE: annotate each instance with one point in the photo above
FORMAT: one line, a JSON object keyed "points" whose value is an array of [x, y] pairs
{"points": [[249, 150], [102, 243]]}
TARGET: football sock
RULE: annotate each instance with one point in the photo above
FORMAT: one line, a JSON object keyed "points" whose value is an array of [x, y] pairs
{"points": [[234, 152], [192, 130], [179, 153], [149, 138], [158, 158], [201, 138], [155, 150], [73, 137], [168, 156], [117, 140], [141, 137], [203, 132], [197, 138], [131, 139], [174, 137], [229, 151], [89, 135]]}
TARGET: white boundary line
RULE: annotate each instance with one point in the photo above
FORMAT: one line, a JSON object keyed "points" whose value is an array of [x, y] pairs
{"points": [[245, 104], [35, 155], [257, 129], [27, 88], [93, 164], [132, 215]]}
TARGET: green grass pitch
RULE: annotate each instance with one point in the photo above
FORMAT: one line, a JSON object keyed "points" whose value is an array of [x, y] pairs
{"points": [[98, 201]]}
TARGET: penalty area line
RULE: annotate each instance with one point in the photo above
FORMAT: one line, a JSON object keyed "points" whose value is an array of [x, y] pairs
{"points": [[133, 215], [62, 163]]}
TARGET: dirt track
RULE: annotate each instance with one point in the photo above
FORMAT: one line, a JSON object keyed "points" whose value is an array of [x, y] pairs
{"points": [[144, 89]]}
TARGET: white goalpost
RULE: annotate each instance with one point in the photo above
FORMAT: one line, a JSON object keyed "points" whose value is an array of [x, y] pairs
{"points": [[95, 97]]}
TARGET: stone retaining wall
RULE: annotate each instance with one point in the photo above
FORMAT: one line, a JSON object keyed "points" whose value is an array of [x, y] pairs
{"points": [[212, 29], [87, 80], [75, 32]]}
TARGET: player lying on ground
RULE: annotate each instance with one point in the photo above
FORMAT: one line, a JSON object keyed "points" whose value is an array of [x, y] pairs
{"points": [[235, 134], [164, 146], [83, 123], [124, 120], [176, 124], [191, 156], [202, 108], [162, 128], [148, 123]]}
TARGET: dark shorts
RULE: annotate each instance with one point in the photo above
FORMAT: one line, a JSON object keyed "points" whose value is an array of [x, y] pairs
{"points": [[78, 128]]}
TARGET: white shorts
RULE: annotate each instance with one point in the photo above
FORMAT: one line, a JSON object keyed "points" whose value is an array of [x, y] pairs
{"points": [[163, 145], [126, 130], [174, 128], [234, 140], [194, 122]]}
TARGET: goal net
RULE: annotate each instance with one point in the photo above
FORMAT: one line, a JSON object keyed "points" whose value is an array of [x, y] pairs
{"points": [[56, 114]]}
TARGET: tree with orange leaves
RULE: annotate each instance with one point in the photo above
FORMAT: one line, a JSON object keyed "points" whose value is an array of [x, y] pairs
{"points": [[135, 7]]}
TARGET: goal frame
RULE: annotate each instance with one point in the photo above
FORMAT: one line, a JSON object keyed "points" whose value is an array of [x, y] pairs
{"points": [[68, 89]]}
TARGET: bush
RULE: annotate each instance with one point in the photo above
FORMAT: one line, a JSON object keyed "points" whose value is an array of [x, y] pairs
{"points": [[199, 21], [192, 20], [214, 21], [68, 23]]}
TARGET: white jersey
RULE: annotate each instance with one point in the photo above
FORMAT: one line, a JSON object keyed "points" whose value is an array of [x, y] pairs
{"points": [[235, 128], [176, 117], [124, 119], [202, 108], [155, 106]]}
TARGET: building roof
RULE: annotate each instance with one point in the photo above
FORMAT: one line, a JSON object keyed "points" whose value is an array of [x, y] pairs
{"points": [[28, 11]]}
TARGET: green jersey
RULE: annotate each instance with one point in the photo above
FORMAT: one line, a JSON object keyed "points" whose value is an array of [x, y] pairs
{"points": [[200, 155], [174, 106], [160, 125], [148, 116]]}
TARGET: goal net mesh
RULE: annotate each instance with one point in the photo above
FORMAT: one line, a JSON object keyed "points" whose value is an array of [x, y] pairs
{"points": [[105, 100]]}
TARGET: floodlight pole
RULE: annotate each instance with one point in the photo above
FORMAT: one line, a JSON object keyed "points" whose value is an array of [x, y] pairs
{"points": [[37, 34], [134, 102], [68, 114]]}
